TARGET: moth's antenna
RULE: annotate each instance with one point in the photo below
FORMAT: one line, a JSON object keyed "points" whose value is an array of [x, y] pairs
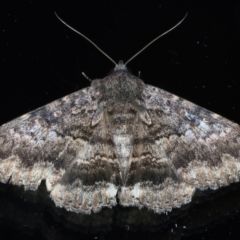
{"points": [[155, 39], [86, 39]]}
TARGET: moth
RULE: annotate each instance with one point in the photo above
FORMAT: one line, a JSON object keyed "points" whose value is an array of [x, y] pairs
{"points": [[120, 138]]}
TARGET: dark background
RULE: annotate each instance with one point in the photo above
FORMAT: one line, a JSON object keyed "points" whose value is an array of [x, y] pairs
{"points": [[42, 60]]}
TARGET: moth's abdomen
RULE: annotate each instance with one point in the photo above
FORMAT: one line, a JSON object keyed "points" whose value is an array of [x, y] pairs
{"points": [[122, 133], [123, 145]]}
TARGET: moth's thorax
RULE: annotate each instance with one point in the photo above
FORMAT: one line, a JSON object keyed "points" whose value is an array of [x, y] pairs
{"points": [[121, 94], [121, 86]]}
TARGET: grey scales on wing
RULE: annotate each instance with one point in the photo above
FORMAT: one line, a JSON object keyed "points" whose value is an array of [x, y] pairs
{"points": [[120, 139]]}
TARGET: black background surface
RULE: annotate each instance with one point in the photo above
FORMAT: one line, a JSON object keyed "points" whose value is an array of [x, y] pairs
{"points": [[42, 60]]}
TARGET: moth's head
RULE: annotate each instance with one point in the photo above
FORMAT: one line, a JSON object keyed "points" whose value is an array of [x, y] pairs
{"points": [[120, 66]]}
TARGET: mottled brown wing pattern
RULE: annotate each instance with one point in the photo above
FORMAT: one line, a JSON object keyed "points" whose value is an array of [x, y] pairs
{"points": [[187, 147], [54, 143], [120, 138]]}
